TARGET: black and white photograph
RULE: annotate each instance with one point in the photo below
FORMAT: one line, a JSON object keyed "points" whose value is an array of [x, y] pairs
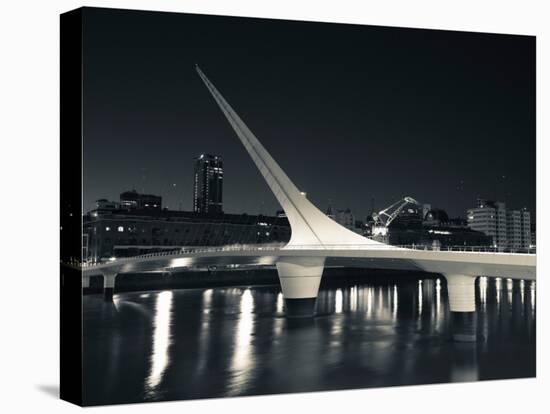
{"points": [[279, 206], [275, 206]]}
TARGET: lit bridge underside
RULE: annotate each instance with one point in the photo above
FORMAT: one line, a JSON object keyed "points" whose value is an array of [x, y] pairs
{"points": [[318, 241]]}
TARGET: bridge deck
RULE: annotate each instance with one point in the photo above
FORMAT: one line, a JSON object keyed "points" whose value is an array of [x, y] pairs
{"points": [[512, 265]]}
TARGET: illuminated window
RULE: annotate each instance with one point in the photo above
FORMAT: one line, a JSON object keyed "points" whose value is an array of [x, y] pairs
{"points": [[120, 229]]}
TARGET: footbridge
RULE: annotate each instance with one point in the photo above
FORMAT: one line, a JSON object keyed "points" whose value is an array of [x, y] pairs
{"points": [[318, 241]]}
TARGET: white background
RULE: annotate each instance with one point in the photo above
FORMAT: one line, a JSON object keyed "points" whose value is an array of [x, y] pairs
{"points": [[29, 159]]}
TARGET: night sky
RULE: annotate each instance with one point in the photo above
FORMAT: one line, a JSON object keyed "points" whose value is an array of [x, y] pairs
{"points": [[349, 112]]}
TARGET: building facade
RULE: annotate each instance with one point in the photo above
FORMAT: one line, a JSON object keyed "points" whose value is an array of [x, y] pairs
{"points": [[425, 210], [345, 218], [409, 217], [527, 240], [431, 228], [132, 200], [208, 185], [122, 233], [509, 229], [513, 227]]}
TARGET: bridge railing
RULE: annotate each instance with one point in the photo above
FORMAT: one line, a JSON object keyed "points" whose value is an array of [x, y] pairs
{"points": [[274, 248], [195, 250], [480, 249], [460, 248]]}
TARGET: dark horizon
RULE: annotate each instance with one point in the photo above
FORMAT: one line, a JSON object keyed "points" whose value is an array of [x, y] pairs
{"points": [[350, 112]]}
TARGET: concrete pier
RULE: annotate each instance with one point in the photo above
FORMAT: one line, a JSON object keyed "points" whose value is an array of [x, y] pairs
{"points": [[300, 278], [462, 303], [109, 286]]}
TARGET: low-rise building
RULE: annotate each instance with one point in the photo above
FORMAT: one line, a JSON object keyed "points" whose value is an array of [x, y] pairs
{"points": [[132, 200], [121, 232]]}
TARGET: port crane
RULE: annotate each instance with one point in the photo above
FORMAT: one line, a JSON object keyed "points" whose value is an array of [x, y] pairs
{"points": [[383, 218]]}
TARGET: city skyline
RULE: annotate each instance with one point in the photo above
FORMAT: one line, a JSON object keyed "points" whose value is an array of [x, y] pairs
{"points": [[331, 206], [459, 124]]}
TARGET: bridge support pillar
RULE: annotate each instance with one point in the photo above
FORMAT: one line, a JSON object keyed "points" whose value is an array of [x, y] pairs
{"points": [[462, 303], [108, 286], [85, 282], [300, 278]]}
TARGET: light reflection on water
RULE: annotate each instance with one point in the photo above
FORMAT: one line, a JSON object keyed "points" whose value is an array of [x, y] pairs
{"points": [[338, 305], [370, 290], [419, 299], [438, 299], [533, 294], [498, 287], [509, 287], [394, 303], [204, 335], [234, 341], [242, 360], [280, 301], [483, 291], [522, 291], [160, 358]]}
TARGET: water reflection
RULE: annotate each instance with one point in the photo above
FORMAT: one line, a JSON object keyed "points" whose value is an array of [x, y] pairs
{"points": [[483, 291], [419, 298], [200, 343], [353, 299], [338, 301], [498, 287], [522, 292], [394, 303], [160, 357], [464, 365], [204, 335], [370, 294], [533, 294], [438, 298], [242, 361], [280, 302], [509, 287]]}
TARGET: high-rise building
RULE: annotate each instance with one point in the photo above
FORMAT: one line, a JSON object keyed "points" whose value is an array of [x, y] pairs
{"points": [[525, 229], [513, 226], [508, 228], [502, 228], [208, 184], [518, 229], [489, 217]]}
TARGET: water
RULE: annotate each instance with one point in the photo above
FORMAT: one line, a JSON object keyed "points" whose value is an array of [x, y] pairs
{"points": [[199, 343]]}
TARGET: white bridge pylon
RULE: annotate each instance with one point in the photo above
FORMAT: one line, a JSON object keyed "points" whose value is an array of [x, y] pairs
{"points": [[300, 276], [310, 226]]}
